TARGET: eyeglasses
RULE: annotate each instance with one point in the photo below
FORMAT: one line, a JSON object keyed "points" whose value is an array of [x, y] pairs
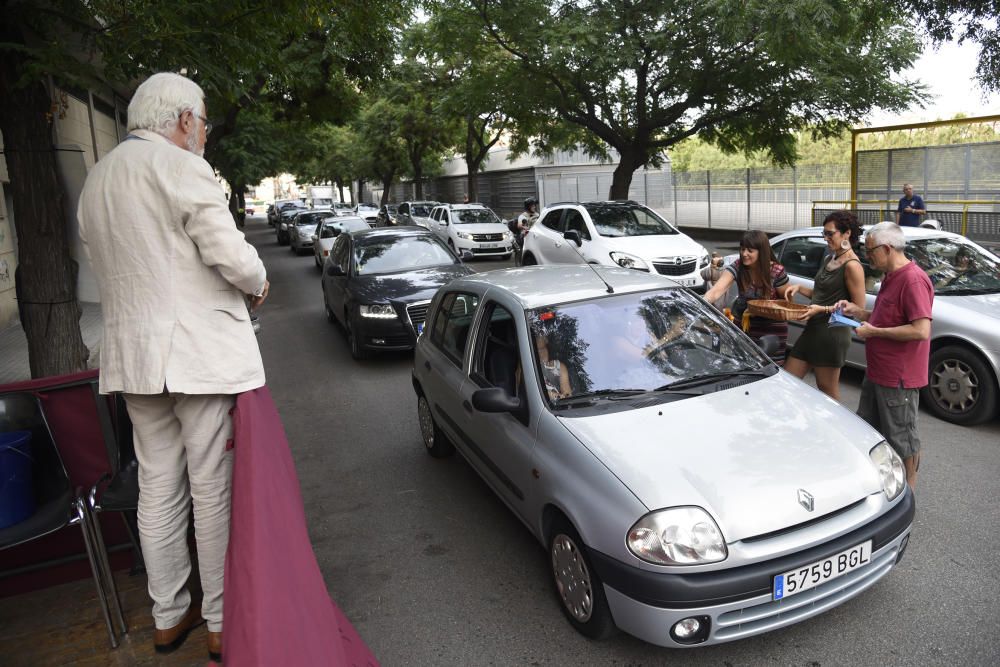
{"points": [[828, 233], [208, 125], [871, 249]]}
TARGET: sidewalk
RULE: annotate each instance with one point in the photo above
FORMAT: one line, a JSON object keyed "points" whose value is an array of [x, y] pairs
{"points": [[14, 347]]}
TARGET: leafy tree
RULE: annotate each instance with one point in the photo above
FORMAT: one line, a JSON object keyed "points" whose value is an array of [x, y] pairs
{"points": [[238, 50], [326, 153], [381, 151], [964, 20], [742, 74]]}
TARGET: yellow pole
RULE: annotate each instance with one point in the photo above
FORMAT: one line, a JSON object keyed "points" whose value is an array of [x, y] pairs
{"points": [[854, 165], [965, 219]]}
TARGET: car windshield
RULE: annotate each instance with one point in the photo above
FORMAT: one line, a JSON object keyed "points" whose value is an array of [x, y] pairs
{"points": [[391, 208], [313, 219], [636, 343], [471, 216], [421, 210], [956, 267], [617, 220], [400, 253], [366, 207]]}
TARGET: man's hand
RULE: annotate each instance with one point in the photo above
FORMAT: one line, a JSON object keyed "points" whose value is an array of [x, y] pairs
{"points": [[255, 301], [852, 310], [866, 331]]}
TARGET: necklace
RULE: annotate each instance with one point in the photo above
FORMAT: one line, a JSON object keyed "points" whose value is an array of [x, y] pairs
{"points": [[838, 255]]}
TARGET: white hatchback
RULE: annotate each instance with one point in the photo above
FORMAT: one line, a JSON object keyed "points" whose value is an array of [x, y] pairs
{"points": [[472, 227], [615, 234]]}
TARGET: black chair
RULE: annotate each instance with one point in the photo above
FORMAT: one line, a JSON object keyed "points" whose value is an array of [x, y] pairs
{"points": [[58, 504], [118, 492]]}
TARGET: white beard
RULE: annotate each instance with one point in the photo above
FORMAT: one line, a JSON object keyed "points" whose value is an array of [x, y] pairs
{"points": [[192, 145]]}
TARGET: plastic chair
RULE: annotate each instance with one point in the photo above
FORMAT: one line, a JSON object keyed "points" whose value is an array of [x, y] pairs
{"points": [[59, 504]]}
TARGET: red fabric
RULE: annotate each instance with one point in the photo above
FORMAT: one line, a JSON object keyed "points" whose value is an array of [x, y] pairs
{"points": [[72, 417], [906, 295], [277, 610]]}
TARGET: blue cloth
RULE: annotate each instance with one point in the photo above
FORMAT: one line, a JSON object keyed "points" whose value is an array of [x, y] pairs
{"points": [[910, 219]]}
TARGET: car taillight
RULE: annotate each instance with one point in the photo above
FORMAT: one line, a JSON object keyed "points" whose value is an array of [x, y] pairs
{"points": [[326, 253]]}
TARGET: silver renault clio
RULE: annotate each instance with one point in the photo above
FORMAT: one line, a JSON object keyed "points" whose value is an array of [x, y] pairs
{"points": [[688, 491]]}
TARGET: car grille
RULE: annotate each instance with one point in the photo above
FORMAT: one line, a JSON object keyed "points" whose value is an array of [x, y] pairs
{"points": [[756, 618], [481, 238], [490, 251], [417, 312], [391, 340], [675, 266]]}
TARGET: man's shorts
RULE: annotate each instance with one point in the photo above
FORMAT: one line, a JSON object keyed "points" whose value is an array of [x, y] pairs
{"points": [[892, 411]]}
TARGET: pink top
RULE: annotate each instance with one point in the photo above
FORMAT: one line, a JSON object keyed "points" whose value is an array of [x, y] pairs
{"points": [[906, 295]]}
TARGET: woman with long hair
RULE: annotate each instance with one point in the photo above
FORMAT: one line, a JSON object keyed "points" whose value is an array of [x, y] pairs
{"points": [[757, 275], [841, 277]]}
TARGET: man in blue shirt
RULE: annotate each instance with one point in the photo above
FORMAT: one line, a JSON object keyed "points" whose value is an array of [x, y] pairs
{"points": [[910, 208]]}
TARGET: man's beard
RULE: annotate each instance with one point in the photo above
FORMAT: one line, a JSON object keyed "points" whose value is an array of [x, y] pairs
{"points": [[192, 145]]}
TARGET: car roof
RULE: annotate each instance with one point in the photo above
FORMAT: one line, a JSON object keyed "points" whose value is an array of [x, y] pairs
{"points": [[537, 286], [423, 201], [460, 207], [344, 218], [390, 232], [908, 232]]}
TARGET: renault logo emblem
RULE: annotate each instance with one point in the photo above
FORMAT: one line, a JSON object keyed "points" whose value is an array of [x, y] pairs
{"points": [[806, 500]]}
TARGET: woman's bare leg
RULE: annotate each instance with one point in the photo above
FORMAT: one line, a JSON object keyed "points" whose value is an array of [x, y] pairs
{"points": [[828, 381], [797, 367]]}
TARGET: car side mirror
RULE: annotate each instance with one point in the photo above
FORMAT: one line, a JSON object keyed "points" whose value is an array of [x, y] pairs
{"points": [[495, 399], [468, 255], [574, 236], [769, 344], [334, 270]]}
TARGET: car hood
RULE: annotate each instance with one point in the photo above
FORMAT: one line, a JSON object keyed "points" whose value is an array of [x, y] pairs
{"points": [[742, 454], [651, 247], [974, 305], [481, 228], [406, 287]]}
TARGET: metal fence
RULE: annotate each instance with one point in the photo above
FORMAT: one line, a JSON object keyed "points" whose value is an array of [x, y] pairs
{"points": [[773, 199]]}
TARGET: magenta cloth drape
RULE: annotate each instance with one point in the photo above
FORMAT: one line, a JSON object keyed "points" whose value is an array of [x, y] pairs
{"points": [[277, 610]]}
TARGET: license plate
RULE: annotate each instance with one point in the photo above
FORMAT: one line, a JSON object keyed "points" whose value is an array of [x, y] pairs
{"points": [[687, 282], [489, 245], [809, 576]]}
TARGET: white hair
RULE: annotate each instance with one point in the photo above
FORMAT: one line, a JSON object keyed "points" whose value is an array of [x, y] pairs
{"points": [[160, 100], [888, 233]]}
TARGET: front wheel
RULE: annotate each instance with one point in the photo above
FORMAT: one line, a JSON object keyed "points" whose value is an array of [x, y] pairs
{"points": [[578, 587], [528, 260], [437, 443], [962, 388]]}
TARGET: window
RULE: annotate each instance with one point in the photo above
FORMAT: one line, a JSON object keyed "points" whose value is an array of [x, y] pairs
{"points": [[551, 219], [575, 221], [404, 209], [497, 361], [803, 255], [340, 255], [615, 220], [452, 322]]}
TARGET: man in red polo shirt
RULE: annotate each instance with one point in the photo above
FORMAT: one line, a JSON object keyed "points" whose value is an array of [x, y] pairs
{"points": [[897, 344]]}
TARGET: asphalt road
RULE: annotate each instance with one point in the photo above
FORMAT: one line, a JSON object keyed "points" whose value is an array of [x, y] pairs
{"points": [[433, 569]]}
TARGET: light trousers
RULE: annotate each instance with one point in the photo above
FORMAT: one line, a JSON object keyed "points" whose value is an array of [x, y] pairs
{"points": [[180, 442]]}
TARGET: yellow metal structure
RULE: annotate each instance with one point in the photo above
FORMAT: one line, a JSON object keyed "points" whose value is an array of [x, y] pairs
{"points": [[890, 205]]}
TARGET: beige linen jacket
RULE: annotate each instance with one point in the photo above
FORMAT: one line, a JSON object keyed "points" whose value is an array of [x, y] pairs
{"points": [[172, 270]]}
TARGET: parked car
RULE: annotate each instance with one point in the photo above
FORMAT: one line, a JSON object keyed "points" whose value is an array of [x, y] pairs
{"points": [[472, 227], [416, 213], [615, 233], [368, 212], [328, 231], [631, 428], [283, 226], [377, 284], [322, 202], [343, 208], [386, 216], [302, 228], [280, 205], [965, 332]]}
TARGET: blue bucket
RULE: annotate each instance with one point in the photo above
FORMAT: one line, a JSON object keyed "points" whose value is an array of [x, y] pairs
{"points": [[17, 493]]}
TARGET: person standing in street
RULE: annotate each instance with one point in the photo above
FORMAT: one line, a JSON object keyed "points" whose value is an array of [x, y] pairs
{"points": [[524, 223], [910, 208], [174, 275], [897, 344]]}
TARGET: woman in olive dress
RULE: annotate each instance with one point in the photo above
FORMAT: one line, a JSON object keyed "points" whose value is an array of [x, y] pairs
{"points": [[820, 348]]}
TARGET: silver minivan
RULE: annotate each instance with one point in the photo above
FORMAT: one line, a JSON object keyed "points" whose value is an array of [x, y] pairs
{"points": [[687, 490]]}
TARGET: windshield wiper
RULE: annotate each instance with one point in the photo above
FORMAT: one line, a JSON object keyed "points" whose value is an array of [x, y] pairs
{"points": [[711, 377], [610, 394], [967, 291]]}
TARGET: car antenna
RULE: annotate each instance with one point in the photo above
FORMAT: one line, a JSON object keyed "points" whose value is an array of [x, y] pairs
{"points": [[611, 290]]}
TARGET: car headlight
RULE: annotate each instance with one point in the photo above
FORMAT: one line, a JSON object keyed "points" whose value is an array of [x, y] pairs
{"points": [[703, 262], [629, 261], [677, 536], [380, 310], [464, 235], [890, 469]]}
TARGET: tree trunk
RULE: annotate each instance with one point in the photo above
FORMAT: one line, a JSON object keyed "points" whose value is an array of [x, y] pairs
{"points": [[418, 182], [340, 189], [47, 272], [242, 219], [386, 185], [361, 189], [621, 180], [234, 206]]}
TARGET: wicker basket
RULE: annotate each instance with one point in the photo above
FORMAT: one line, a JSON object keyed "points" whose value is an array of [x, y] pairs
{"points": [[775, 310]]}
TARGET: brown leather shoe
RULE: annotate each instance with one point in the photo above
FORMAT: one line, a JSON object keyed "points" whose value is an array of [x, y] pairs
{"points": [[215, 646], [168, 641]]}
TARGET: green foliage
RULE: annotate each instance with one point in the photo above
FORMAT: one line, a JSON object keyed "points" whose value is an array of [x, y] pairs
{"points": [[380, 150]]}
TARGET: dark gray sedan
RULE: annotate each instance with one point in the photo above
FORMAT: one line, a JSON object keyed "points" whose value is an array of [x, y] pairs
{"points": [[378, 283]]}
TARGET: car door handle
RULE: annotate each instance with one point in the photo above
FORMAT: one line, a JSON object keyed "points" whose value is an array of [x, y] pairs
{"points": [[427, 365], [467, 406], [558, 244]]}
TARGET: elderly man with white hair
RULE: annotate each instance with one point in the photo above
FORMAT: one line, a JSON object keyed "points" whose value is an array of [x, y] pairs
{"points": [[175, 276], [897, 335]]}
